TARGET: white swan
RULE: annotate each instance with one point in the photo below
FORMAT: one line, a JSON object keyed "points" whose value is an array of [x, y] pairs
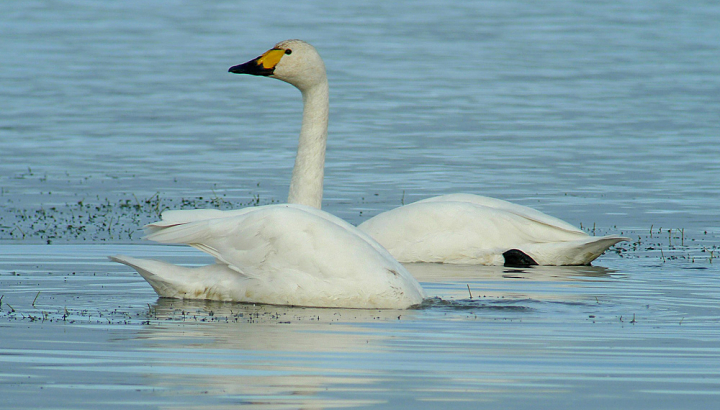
{"points": [[291, 254], [472, 229]]}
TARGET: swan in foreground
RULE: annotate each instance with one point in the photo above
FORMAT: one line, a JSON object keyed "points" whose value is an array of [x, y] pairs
{"points": [[289, 254]]}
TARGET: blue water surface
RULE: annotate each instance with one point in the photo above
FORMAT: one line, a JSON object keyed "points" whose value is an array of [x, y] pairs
{"points": [[602, 114]]}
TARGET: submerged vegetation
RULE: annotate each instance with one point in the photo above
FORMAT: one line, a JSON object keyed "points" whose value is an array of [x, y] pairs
{"points": [[122, 219], [182, 311], [102, 219], [665, 244]]}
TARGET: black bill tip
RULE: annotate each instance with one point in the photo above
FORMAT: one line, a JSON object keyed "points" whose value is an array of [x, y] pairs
{"points": [[251, 67]]}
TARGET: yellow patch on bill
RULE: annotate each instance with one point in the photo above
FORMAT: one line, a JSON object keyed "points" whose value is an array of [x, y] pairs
{"points": [[270, 58]]}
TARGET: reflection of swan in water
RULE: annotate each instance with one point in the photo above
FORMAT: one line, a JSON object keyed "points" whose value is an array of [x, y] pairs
{"points": [[196, 311], [498, 287], [316, 360], [436, 272], [262, 359], [292, 254]]}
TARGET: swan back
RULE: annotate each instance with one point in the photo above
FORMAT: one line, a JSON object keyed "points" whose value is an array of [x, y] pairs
{"points": [[279, 254], [464, 228]]}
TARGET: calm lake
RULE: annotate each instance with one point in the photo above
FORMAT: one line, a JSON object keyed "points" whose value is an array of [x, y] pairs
{"points": [[605, 115]]}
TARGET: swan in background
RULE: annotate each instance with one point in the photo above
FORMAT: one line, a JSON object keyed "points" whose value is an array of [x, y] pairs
{"points": [[473, 229], [289, 254]]}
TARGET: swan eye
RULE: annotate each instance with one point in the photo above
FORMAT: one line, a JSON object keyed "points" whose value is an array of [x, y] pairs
{"points": [[288, 51]]}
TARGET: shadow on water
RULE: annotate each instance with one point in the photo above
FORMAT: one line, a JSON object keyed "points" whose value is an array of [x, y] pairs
{"points": [[184, 311], [233, 312], [432, 272], [477, 305]]}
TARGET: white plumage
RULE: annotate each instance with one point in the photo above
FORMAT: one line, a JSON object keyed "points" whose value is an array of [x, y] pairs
{"points": [[277, 254], [471, 229]]}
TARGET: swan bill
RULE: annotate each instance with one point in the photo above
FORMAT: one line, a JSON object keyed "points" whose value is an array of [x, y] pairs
{"points": [[263, 65]]}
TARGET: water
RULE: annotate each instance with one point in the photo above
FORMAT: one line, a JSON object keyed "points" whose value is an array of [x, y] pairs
{"points": [[603, 115]]}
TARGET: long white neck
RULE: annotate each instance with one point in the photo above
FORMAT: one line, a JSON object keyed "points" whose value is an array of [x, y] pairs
{"points": [[306, 186]]}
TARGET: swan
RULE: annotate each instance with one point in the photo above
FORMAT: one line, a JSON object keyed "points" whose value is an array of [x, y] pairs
{"points": [[285, 254], [473, 229]]}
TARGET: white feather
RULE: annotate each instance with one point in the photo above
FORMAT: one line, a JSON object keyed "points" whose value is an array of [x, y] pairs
{"points": [[279, 254], [471, 229]]}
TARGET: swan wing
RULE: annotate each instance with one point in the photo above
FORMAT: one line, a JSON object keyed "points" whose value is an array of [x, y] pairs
{"points": [[184, 216], [181, 217], [293, 254], [519, 210]]}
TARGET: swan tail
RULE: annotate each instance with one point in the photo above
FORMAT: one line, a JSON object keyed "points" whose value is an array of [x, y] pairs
{"points": [[172, 281], [578, 252], [155, 273]]}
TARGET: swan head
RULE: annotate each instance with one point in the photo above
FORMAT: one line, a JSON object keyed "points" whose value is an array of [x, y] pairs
{"points": [[293, 61]]}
